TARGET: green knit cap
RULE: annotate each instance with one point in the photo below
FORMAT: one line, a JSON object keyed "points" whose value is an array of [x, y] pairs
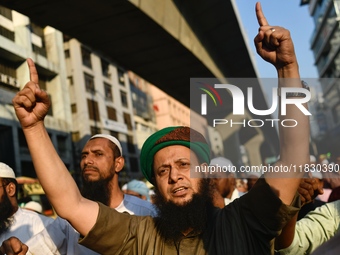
{"points": [[185, 136]]}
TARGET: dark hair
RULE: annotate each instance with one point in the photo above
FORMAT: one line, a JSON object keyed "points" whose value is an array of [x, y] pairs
{"points": [[115, 149]]}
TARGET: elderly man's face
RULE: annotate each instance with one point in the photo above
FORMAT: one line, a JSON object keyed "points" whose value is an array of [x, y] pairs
{"points": [[172, 167]]}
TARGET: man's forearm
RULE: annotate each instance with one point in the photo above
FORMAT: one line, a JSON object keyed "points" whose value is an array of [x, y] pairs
{"points": [[51, 171], [286, 237], [294, 141]]}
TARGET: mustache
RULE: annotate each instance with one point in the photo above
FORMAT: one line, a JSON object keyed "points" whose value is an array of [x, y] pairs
{"points": [[90, 168]]}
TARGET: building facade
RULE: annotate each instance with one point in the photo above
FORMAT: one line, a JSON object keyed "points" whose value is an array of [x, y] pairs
{"points": [[170, 112], [90, 94], [100, 100], [143, 111], [325, 44], [21, 39]]}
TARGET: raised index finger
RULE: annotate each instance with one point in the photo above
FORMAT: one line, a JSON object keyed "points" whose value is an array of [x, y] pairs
{"points": [[33, 71], [261, 19]]}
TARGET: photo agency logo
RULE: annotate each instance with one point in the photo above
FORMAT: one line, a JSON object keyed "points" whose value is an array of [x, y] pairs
{"points": [[221, 92], [209, 90]]}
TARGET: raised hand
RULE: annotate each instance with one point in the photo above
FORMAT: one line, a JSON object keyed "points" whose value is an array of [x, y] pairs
{"points": [[273, 43], [308, 190], [31, 104], [13, 246]]}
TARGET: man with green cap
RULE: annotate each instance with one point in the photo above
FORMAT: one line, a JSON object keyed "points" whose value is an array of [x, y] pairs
{"points": [[188, 223]]}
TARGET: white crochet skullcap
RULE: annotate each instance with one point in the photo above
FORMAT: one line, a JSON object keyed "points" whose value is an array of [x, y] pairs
{"points": [[6, 171], [112, 139]]}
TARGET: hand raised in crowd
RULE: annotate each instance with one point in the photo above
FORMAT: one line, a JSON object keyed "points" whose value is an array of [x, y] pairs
{"points": [[31, 104], [13, 246], [308, 190], [273, 43]]}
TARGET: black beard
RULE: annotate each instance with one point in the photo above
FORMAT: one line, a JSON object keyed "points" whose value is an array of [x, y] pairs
{"points": [[97, 190], [174, 219], [6, 211]]}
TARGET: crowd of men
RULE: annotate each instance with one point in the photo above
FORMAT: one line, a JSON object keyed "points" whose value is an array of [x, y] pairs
{"points": [[187, 215]]}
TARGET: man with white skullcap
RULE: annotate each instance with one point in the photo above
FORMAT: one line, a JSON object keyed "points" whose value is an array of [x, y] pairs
{"points": [[15, 221], [101, 161]]}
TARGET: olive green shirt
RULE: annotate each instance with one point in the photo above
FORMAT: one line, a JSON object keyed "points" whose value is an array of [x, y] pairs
{"points": [[245, 226]]}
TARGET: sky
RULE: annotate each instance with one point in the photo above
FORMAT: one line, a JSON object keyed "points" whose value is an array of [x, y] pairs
{"points": [[290, 15]]}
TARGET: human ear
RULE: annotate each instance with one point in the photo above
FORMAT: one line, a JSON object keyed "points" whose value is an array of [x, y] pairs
{"points": [[11, 189], [119, 164]]}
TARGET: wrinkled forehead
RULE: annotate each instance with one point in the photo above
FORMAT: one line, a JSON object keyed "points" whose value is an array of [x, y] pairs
{"points": [[99, 140], [97, 143], [174, 151]]}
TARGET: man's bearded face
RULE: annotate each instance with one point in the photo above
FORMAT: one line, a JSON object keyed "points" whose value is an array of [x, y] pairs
{"points": [[173, 220]]}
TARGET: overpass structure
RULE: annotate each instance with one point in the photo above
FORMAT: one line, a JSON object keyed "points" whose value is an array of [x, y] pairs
{"points": [[166, 42]]}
